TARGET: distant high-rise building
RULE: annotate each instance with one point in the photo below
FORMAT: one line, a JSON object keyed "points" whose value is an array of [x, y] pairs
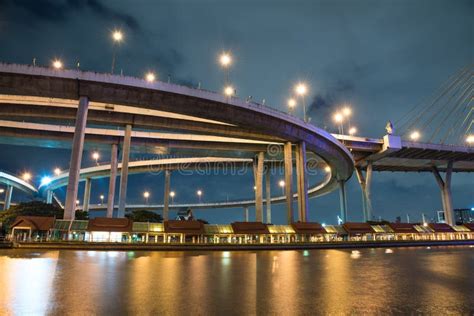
{"points": [[464, 215]]}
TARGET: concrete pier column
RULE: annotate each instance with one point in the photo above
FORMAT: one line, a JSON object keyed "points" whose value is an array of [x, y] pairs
{"points": [[166, 197], [246, 213], [49, 197], [365, 186], [343, 200], [268, 196], [446, 195], [302, 183], [87, 195], [112, 180], [289, 181], [76, 158], [8, 198], [258, 175], [124, 175]]}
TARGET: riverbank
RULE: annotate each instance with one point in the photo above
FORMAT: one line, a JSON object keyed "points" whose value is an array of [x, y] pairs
{"points": [[235, 247]]}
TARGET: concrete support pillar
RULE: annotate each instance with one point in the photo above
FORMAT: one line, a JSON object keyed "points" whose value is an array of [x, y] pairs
{"points": [[446, 195], [246, 213], [258, 175], [87, 195], [268, 196], [124, 175], [49, 197], [302, 183], [166, 197], [112, 180], [365, 185], [289, 181], [76, 158], [8, 198], [343, 200]]}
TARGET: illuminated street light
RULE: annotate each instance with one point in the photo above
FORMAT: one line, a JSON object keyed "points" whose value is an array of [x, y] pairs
{"points": [[57, 171], [77, 202], [96, 156], [172, 195], [225, 59], [45, 180], [347, 111], [281, 183], [150, 77], [415, 135], [301, 89], [470, 139], [102, 199], [327, 169], [146, 195], [26, 176], [254, 187], [2, 191], [338, 117], [352, 130], [291, 104], [57, 64], [117, 37], [199, 194], [229, 91]]}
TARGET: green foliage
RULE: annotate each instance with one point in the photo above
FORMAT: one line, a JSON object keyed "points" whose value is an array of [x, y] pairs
{"points": [[33, 208], [81, 215], [144, 216]]}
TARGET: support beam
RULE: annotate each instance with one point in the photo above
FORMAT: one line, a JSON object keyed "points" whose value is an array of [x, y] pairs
{"points": [[112, 180], [76, 157], [258, 170], [343, 200], [49, 197], [289, 181], [446, 195], [365, 186], [124, 175], [87, 195], [246, 213], [8, 198], [166, 197], [302, 184], [268, 196]]}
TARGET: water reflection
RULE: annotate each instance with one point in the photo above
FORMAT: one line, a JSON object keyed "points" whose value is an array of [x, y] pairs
{"points": [[409, 280]]}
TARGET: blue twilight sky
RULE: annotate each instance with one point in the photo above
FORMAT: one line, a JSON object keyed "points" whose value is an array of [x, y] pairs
{"points": [[381, 56]]}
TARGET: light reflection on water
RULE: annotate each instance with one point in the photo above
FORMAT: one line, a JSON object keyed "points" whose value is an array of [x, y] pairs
{"points": [[408, 280]]}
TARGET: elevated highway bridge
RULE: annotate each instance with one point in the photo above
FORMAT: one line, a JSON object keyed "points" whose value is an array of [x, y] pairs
{"points": [[47, 108]]}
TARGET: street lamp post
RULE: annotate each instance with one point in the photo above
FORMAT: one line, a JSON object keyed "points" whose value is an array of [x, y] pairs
{"points": [[146, 195], [172, 195], [282, 186], [291, 105], [301, 89], [102, 199], [199, 194], [117, 37], [225, 60], [96, 156]]}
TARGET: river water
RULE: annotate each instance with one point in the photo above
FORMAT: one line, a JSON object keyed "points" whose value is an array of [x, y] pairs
{"points": [[436, 280]]}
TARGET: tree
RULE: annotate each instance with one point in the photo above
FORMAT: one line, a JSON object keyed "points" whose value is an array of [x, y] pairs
{"points": [[144, 216], [33, 208]]}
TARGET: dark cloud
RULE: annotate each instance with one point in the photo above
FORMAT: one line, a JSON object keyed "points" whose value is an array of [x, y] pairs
{"points": [[58, 11]]}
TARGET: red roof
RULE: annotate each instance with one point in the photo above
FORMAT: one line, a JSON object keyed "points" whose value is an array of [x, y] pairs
{"points": [[308, 228], [441, 228], [106, 224], [403, 228], [470, 226], [250, 228], [357, 228], [40, 223], [184, 227]]}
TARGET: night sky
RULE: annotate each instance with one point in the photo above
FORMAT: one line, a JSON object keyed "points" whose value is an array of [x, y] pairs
{"points": [[383, 57]]}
